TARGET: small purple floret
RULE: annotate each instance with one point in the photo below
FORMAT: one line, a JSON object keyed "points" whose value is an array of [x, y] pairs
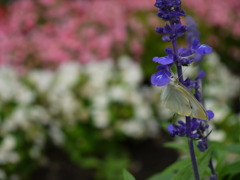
{"points": [[161, 78]]}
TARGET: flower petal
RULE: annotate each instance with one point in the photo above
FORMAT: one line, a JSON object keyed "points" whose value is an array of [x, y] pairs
{"points": [[169, 51], [200, 75], [195, 44], [161, 78], [210, 114], [204, 49], [163, 60], [160, 30], [171, 129]]}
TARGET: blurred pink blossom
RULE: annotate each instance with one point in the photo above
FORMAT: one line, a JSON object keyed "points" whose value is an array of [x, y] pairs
{"points": [[223, 14], [48, 32]]}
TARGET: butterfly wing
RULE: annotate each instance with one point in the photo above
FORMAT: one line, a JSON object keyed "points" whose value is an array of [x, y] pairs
{"points": [[175, 99], [198, 110]]}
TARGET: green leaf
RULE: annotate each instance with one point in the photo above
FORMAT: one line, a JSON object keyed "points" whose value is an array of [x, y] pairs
{"points": [[127, 175], [187, 172], [233, 148], [231, 170], [182, 169], [204, 161], [111, 167], [170, 171], [175, 145], [161, 176], [219, 154]]}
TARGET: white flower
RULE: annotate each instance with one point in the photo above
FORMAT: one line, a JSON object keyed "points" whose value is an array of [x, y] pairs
{"points": [[67, 75], [100, 101], [134, 97], [56, 134], [18, 118], [100, 118], [99, 73], [7, 155], [42, 79], [38, 114], [224, 85], [8, 143], [64, 102], [9, 83], [221, 111], [117, 93], [24, 96], [217, 135], [130, 71], [132, 128], [142, 111]]}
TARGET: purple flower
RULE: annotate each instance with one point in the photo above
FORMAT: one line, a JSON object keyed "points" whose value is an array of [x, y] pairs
{"points": [[196, 131], [193, 129], [175, 129], [202, 144], [200, 48], [201, 74], [163, 60], [180, 129], [188, 83], [173, 31], [210, 114], [185, 56], [192, 32], [161, 78], [169, 10]]}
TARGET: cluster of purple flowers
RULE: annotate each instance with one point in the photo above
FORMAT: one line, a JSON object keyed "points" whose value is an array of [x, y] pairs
{"points": [[171, 12]]}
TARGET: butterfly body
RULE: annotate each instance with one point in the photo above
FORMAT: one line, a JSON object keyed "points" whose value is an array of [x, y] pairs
{"points": [[177, 98]]}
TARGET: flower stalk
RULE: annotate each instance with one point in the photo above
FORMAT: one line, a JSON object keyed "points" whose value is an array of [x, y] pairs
{"points": [[192, 152], [193, 128]]}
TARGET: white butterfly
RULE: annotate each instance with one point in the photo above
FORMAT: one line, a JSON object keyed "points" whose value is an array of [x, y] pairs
{"points": [[177, 98]]}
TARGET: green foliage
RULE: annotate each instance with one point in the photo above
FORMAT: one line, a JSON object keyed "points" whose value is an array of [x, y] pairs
{"points": [[230, 171], [182, 169], [161, 176], [149, 52], [120, 110], [105, 156], [178, 146], [127, 175], [111, 167], [233, 148], [170, 171]]}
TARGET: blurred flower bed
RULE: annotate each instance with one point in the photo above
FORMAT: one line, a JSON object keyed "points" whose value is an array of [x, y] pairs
{"points": [[220, 25], [88, 110], [64, 81], [47, 32], [77, 107]]}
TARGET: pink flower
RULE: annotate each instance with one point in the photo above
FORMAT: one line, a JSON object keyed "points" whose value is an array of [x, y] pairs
{"points": [[223, 14], [49, 32]]}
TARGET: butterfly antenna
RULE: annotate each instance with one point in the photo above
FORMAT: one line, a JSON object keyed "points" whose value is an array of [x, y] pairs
{"points": [[168, 75], [174, 76], [182, 74]]}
